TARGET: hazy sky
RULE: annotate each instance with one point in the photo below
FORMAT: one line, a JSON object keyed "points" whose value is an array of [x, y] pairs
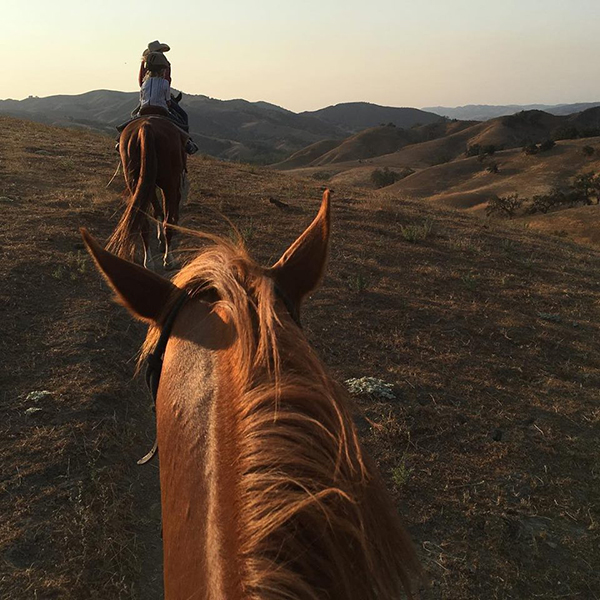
{"points": [[308, 54]]}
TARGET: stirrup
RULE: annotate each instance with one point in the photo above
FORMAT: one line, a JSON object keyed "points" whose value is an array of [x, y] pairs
{"points": [[191, 147]]}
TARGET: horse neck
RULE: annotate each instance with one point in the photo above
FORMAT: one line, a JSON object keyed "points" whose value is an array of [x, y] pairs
{"points": [[264, 487], [196, 451]]}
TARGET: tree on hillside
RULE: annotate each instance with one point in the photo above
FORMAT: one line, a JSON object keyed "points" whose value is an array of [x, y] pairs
{"points": [[384, 177], [480, 151], [547, 145], [531, 149], [587, 186], [474, 150], [554, 199], [504, 205]]}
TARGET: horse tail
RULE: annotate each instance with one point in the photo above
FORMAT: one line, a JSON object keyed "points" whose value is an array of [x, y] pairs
{"points": [[123, 240]]}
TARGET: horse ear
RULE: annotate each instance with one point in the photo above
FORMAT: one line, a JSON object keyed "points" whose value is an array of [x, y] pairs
{"points": [[142, 292], [299, 270]]}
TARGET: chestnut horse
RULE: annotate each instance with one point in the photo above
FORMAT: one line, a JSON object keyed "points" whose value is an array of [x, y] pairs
{"points": [[266, 492], [153, 154]]}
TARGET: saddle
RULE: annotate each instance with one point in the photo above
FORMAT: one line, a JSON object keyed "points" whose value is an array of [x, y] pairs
{"points": [[171, 118]]}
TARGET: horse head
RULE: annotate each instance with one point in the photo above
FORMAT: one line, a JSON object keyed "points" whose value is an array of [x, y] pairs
{"points": [[266, 492]]}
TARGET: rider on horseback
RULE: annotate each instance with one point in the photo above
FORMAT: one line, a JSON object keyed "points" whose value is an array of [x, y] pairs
{"points": [[155, 91], [158, 47]]}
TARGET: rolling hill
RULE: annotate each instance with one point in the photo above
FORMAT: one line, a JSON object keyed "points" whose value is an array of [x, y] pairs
{"points": [[355, 116], [370, 143]]}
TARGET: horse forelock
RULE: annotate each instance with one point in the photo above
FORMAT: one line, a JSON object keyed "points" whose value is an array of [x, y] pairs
{"points": [[313, 516]]}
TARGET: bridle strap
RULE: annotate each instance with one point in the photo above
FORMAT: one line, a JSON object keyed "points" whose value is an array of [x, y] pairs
{"points": [[292, 310], [154, 363], [154, 360]]}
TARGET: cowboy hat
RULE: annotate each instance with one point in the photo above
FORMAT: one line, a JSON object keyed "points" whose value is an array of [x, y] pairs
{"points": [[156, 60], [156, 46]]}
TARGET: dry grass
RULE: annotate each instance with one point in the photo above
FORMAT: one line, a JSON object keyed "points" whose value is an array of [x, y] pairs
{"points": [[490, 445]]}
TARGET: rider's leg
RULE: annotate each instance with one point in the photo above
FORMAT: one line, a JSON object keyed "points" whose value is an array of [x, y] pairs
{"points": [[181, 114]]}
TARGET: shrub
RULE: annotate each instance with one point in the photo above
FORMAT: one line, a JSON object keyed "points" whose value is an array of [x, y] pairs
{"points": [[384, 177], [504, 205], [480, 151], [359, 283], [547, 145], [588, 150], [531, 149], [401, 474], [474, 150], [493, 168], [322, 175], [416, 233], [441, 159]]}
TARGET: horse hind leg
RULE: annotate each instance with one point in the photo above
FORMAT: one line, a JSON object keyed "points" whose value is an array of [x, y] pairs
{"points": [[149, 261], [158, 203], [171, 206]]}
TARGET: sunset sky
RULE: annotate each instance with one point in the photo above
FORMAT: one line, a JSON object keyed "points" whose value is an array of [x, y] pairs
{"points": [[305, 55]]}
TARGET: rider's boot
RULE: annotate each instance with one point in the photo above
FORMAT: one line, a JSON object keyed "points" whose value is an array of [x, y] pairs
{"points": [[191, 147]]}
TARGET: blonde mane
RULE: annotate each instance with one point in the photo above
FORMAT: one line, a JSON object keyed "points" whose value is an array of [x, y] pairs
{"points": [[315, 520]]}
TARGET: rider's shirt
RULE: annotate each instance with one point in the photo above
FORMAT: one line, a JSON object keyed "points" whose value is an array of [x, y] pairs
{"points": [[155, 91]]}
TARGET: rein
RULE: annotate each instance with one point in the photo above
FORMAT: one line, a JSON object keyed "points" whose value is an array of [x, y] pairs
{"points": [[154, 361]]}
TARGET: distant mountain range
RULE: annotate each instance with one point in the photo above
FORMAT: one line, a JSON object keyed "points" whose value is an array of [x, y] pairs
{"points": [[229, 129], [261, 132], [484, 112]]}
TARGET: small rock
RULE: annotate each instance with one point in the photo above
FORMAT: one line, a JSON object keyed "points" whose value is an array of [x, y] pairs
{"points": [[554, 317], [38, 395], [278, 203], [32, 411]]}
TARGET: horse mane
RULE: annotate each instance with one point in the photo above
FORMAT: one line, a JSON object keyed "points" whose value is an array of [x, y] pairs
{"points": [[314, 518]]}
